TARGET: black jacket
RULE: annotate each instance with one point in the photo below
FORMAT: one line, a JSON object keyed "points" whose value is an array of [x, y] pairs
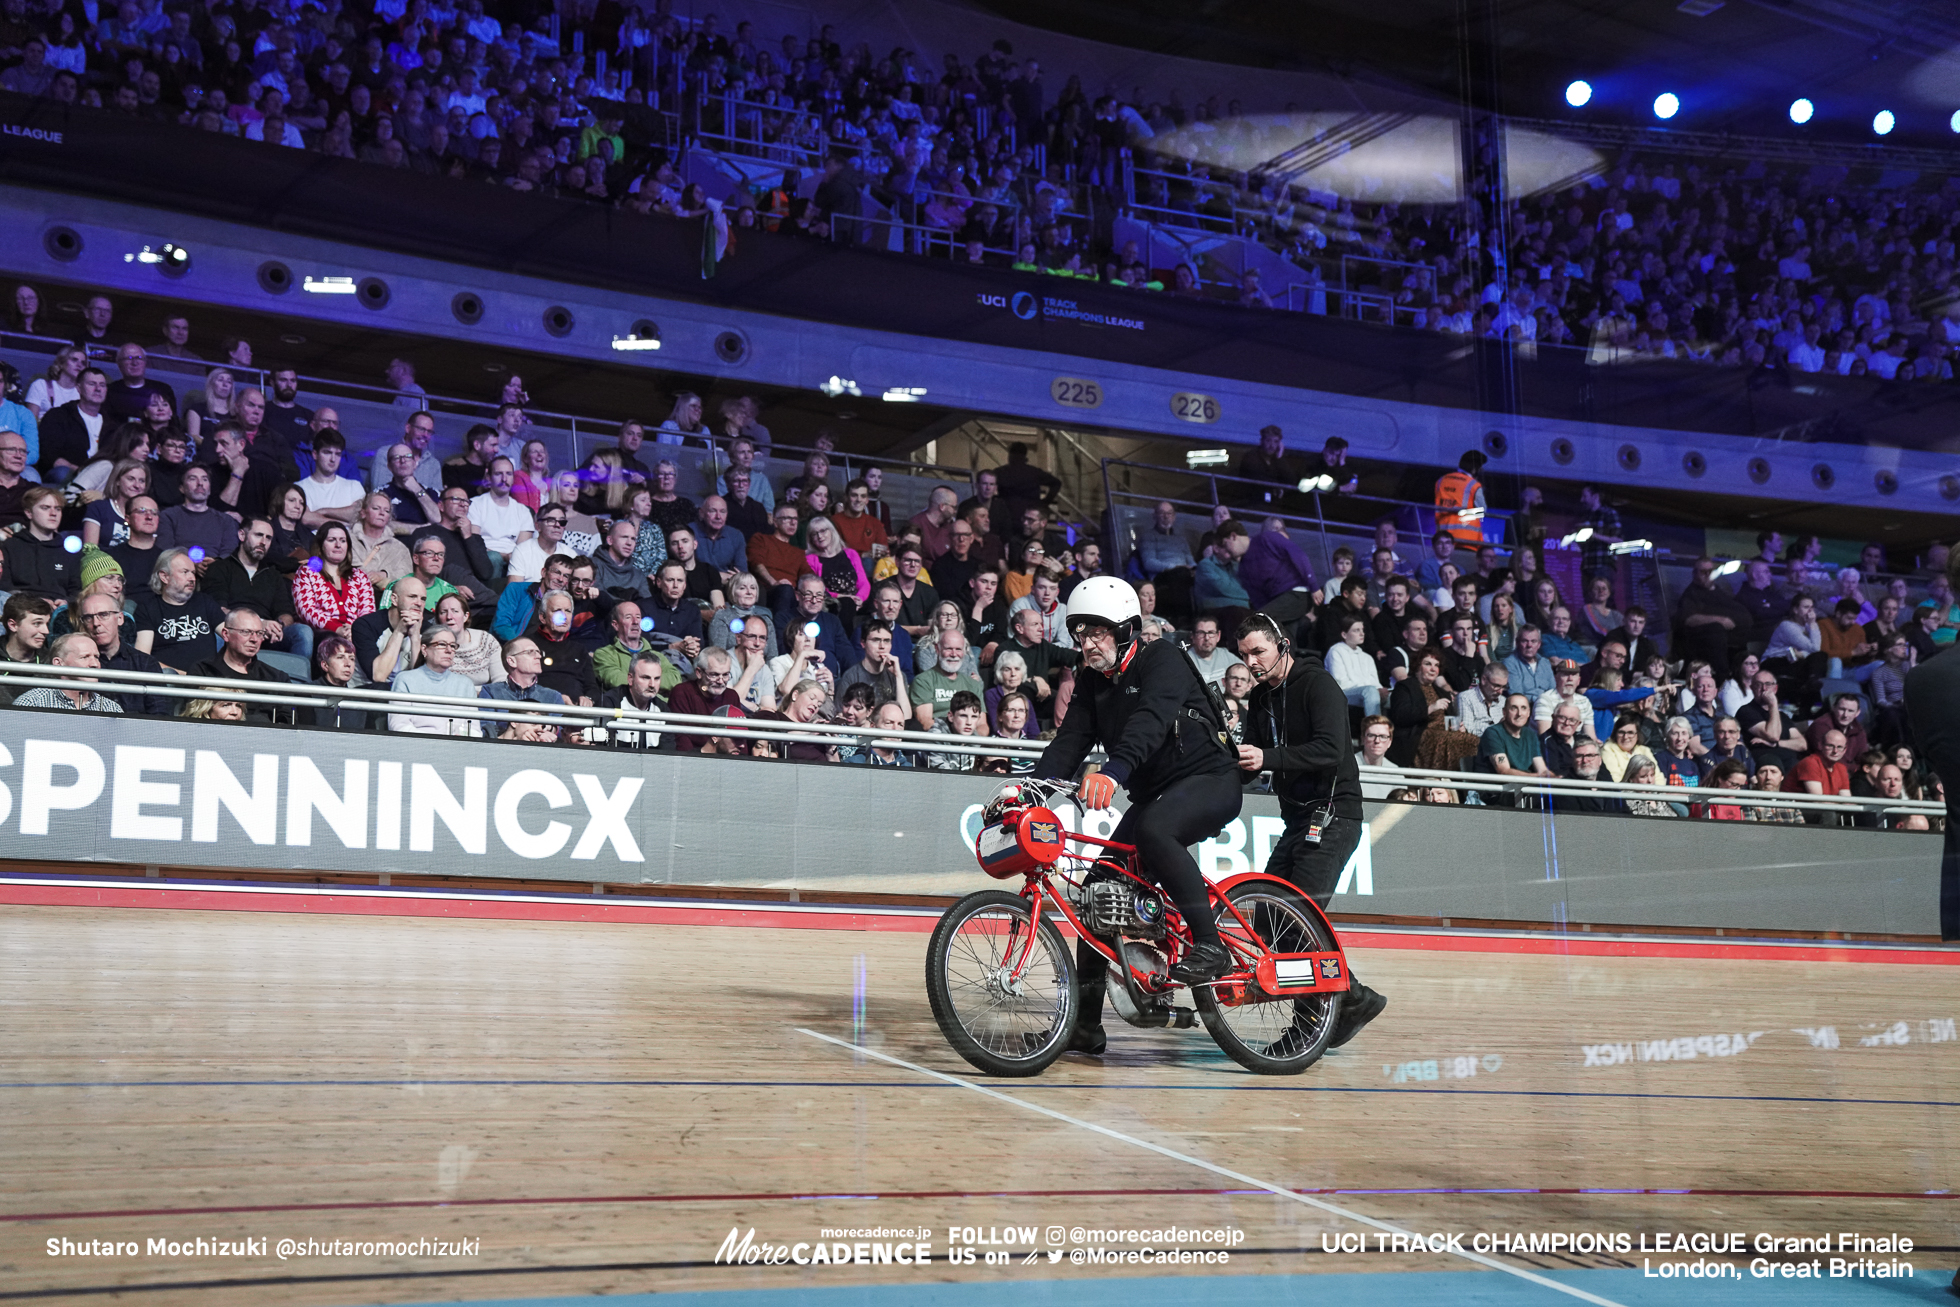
{"points": [[567, 667], [465, 561], [1302, 725], [1588, 803], [266, 592], [1933, 711], [1153, 719], [263, 673], [41, 567], [632, 735], [65, 436], [1408, 710], [133, 698]]}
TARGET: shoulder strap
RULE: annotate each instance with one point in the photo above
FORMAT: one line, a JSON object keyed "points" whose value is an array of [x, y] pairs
{"points": [[1213, 713]]}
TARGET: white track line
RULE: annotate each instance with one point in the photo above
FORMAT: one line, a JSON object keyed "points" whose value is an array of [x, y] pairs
{"points": [[1252, 1182]]}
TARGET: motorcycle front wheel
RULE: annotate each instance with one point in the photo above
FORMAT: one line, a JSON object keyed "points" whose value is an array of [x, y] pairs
{"points": [[1004, 1024]]}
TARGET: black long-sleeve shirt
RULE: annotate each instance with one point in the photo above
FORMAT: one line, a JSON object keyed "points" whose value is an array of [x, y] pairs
{"points": [[1302, 725]]}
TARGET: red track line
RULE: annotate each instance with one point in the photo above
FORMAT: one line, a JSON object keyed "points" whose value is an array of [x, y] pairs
{"points": [[598, 1200], [1587, 946], [919, 921], [726, 913]]}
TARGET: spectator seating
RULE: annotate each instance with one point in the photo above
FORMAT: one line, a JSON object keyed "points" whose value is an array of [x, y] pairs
{"points": [[1650, 256]]}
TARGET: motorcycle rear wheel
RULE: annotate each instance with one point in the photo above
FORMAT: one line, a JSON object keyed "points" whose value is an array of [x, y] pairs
{"points": [[1004, 1025], [1277, 1037]]}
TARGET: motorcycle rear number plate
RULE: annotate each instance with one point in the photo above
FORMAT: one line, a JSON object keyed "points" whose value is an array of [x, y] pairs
{"points": [[1301, 973]]}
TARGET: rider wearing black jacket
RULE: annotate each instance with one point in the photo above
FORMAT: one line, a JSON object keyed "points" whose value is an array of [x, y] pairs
{"points": [[1297, 728], [1146, 706]]}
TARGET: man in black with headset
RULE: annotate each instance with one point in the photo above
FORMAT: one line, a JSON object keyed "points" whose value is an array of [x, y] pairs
{"points": [[1296, 726]]}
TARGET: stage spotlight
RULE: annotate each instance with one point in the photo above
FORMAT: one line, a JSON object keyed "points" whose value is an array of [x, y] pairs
{"points": [[1801, 111], [1579, 94], [1884, 122], [1666, 105], [1954, 121]]}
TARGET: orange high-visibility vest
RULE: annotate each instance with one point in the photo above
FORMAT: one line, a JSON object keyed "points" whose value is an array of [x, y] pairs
{"points": [[1456, 507]]}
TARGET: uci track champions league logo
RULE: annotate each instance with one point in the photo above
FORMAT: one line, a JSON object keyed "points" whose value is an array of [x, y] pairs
{"points": [[1029, 307]]}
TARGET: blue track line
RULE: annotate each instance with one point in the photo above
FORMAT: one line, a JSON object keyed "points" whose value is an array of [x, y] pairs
{"points": [[1367, 1289], [905, 1084]]}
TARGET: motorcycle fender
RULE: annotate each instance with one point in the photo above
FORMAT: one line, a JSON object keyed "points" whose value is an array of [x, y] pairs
{"points": [[1265, 878], [1330, 976]]}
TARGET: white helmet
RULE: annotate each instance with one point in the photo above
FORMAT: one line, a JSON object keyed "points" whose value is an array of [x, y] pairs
{"points": [[1108, 601]]}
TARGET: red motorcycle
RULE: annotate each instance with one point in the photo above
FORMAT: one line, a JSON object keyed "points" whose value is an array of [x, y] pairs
{"points": [[1002, 978]]}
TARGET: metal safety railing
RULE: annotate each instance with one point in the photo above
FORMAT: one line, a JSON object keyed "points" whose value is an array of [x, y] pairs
{"points": [[1120, 498], [1380, 304], [296, 695], [1189, 218], [740, 127], [583, 432], [1554, 788]]}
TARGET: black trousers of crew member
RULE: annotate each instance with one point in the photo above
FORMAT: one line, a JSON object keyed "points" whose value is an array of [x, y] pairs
{"points": [[1163, 829], [1316, 868]]}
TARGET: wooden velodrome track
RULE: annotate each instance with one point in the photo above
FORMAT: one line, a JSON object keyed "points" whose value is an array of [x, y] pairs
{"points": [[597, 1102]]}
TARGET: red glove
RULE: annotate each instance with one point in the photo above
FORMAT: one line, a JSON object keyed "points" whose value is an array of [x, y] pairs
{"points": [[1098, 791]]}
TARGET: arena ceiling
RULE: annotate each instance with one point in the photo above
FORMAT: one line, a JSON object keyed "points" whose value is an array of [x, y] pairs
{"points": [[1736, 65]]}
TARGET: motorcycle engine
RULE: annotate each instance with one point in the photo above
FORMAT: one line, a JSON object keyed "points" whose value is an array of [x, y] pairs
{"points": [[1113, 908]]}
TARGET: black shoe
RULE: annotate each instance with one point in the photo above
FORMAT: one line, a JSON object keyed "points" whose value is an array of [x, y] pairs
{"points": [[1204, 963], [1088, 1039], [1361, 1006]]}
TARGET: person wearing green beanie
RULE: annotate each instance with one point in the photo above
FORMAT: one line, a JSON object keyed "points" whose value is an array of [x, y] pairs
{"points": [[96, 564]]}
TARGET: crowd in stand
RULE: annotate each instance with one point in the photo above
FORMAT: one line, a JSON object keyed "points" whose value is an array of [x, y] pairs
{"points": [[1774, 673], [248, 553], [1746, 268]]}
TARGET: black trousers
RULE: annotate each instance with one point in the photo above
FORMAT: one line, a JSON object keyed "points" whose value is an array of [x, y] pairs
{"points": [[1193, 809], [1315, 868]]}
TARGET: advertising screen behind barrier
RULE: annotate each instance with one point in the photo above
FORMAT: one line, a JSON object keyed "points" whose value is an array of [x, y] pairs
{"points": [[134, 791]]}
